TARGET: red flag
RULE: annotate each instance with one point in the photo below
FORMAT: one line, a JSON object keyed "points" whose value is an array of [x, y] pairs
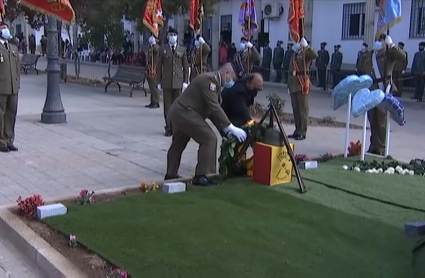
{"points": [[296, 19], [61, 9], [153, 18], [196, 14], [2, 10]]}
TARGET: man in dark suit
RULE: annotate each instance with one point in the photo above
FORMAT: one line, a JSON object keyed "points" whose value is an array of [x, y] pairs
{"points": [[237, 99]]}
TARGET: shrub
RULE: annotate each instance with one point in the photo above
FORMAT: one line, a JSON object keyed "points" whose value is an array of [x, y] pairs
{"points": [[326, 157], [354, 149], [327, 120], [29, 206], [85, 197], [301, 157], [278, 103]]}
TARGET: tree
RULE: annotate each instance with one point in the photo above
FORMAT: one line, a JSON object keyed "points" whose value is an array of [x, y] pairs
{"points": [[12, 10]]}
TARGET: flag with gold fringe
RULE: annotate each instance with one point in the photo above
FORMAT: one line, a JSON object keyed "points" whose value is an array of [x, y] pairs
{"points": [[60, 9], [153, 18], [248, 18], [295, 19], [389, 15], [196, 14]]}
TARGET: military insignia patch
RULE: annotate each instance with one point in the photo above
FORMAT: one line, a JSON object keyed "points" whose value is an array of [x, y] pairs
{"points": [[213, 87]]}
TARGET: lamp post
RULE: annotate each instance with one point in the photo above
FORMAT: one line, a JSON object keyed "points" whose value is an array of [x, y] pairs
{"points": [[53, 111]]}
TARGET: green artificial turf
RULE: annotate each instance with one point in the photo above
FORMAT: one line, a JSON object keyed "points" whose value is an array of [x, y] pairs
{"points": [[239, 229], [404, 190]]}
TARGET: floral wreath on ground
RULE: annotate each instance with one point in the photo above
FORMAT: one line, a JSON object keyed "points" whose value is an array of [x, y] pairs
{"points": [[230, 148]]}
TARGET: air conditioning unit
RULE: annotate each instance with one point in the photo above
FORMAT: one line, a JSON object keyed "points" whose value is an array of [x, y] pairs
{"points": [[272, 10]]}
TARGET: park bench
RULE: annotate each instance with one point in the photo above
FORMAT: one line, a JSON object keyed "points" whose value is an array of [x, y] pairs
{"points": [[133, 76], [29, 61]]}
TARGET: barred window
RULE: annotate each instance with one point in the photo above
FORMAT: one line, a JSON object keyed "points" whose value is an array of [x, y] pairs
{"points": [[207, 28], [417, 19], [226, 22], [353, 21]]}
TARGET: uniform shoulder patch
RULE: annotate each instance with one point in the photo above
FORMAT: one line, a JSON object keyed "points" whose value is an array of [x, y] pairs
{"points": [[213, 87]]}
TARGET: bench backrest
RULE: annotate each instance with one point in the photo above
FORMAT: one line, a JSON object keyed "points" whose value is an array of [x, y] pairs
{"points": [[131, 73], [29, 59]]}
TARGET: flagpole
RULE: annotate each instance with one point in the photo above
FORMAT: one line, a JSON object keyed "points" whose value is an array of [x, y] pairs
{"points": [[152, 60], [388, 129], [200, 32], [249, 33]]}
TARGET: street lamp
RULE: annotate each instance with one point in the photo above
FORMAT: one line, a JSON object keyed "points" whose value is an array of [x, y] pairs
{"points": [[53, 111]]}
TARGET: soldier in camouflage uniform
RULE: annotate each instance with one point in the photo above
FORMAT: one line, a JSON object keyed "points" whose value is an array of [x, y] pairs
{"points": [[362, 58], [418, 71], [336, 63], [278, 55], [322, 62], [287, 60]]}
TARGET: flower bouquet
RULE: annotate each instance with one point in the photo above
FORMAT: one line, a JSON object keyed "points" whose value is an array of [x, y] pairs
{"points": [[230, 161]]}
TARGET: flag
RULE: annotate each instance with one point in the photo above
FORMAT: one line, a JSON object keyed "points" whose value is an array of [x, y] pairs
{"points": [[2, 10], [296, 19], [60, 9], [389, 15], [248, 18], [153, 18], [196, 14]]}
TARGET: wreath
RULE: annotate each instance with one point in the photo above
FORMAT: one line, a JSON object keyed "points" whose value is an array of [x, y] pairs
{"points": [[229, 163]]}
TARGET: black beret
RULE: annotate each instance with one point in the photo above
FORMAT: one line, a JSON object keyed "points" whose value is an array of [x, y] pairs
{"points": [[365, 44], [198, 36], [382, 37], [172, 30], [422, 44], [401, 43], [339, 46], [290, 44], [243, 38], [3, 24], [323, 43]]}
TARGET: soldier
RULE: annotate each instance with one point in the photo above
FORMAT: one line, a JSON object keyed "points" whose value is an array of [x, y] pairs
{"points": [[383, 58], [198, 57], [151, 62], [287, 60], [398, 71], [9, 83], [336, 62], [299, 87], [267, 60], [173, 70], [187, 114], [418, 71], [322, 62], [247, 55], [278, 55], [362, 58]]}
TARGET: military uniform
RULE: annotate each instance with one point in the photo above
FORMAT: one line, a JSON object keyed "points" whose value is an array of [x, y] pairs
{"points": [[336, 63], [151, 61], [287, 60], [201, 100], [199, 64], [299, 93], [399, 68], [173, 70], [9, 84], [363, 61], [322, 62], [378, 120], [248, 57], [278, 55], [418, 71], [267, 60]]}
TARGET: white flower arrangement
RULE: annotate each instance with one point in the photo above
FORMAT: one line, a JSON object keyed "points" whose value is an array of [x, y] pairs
{"points": [[390, 171]]}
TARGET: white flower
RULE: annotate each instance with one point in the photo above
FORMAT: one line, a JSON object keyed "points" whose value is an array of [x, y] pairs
{"points": [[412, 173], [369, 171], [345, 167], [402, 172], [391, 169], [398, 168], [387, 173], [380, 170], [357, 169]]}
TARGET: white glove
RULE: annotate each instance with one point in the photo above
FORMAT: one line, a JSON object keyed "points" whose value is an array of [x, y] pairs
{"points": [[388, 41], [152, 40], [303, 42], [159, 87], [184, 86], [249, 45], [403, 72], [201, 40], [239, 133]]}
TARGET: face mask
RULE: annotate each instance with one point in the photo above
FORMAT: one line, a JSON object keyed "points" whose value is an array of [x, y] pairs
{"points": [[229, 84], [242, 45], [172, 39], [296, 47], [363, 48], [322, 47], [5, 33], [152, 40], [421, 49], [377, 45], [197, 44]]}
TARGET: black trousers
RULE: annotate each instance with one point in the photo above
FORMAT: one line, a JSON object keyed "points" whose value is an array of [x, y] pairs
{"points": [[285, 75], [266, 72], [278, 69], [335, 78], [321, 75], [419, 87]]}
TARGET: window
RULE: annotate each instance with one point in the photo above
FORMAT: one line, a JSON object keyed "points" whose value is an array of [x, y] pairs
{"points": [[353, 21], [417, 19], [226, 28], [207, 28]]}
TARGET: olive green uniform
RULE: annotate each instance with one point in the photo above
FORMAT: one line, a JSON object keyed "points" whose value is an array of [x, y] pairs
{"points": [[399, 67], [299, 100], [9, 84], [336, 63], [152, 60], [198, 64], [173, 70], [363, 62], [267, 60], [248, 58], [201, 100], [377, 118]]}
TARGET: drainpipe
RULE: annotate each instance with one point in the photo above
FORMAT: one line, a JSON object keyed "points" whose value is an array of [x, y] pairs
{"points": [[369, 32]]}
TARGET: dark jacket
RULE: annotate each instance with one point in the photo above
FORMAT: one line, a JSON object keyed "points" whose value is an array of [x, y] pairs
{"points": [[236, 102]]}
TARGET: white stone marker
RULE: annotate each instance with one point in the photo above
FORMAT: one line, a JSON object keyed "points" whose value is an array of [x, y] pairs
{"points": [[173, 187], [305, 165], [51, 210]]}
